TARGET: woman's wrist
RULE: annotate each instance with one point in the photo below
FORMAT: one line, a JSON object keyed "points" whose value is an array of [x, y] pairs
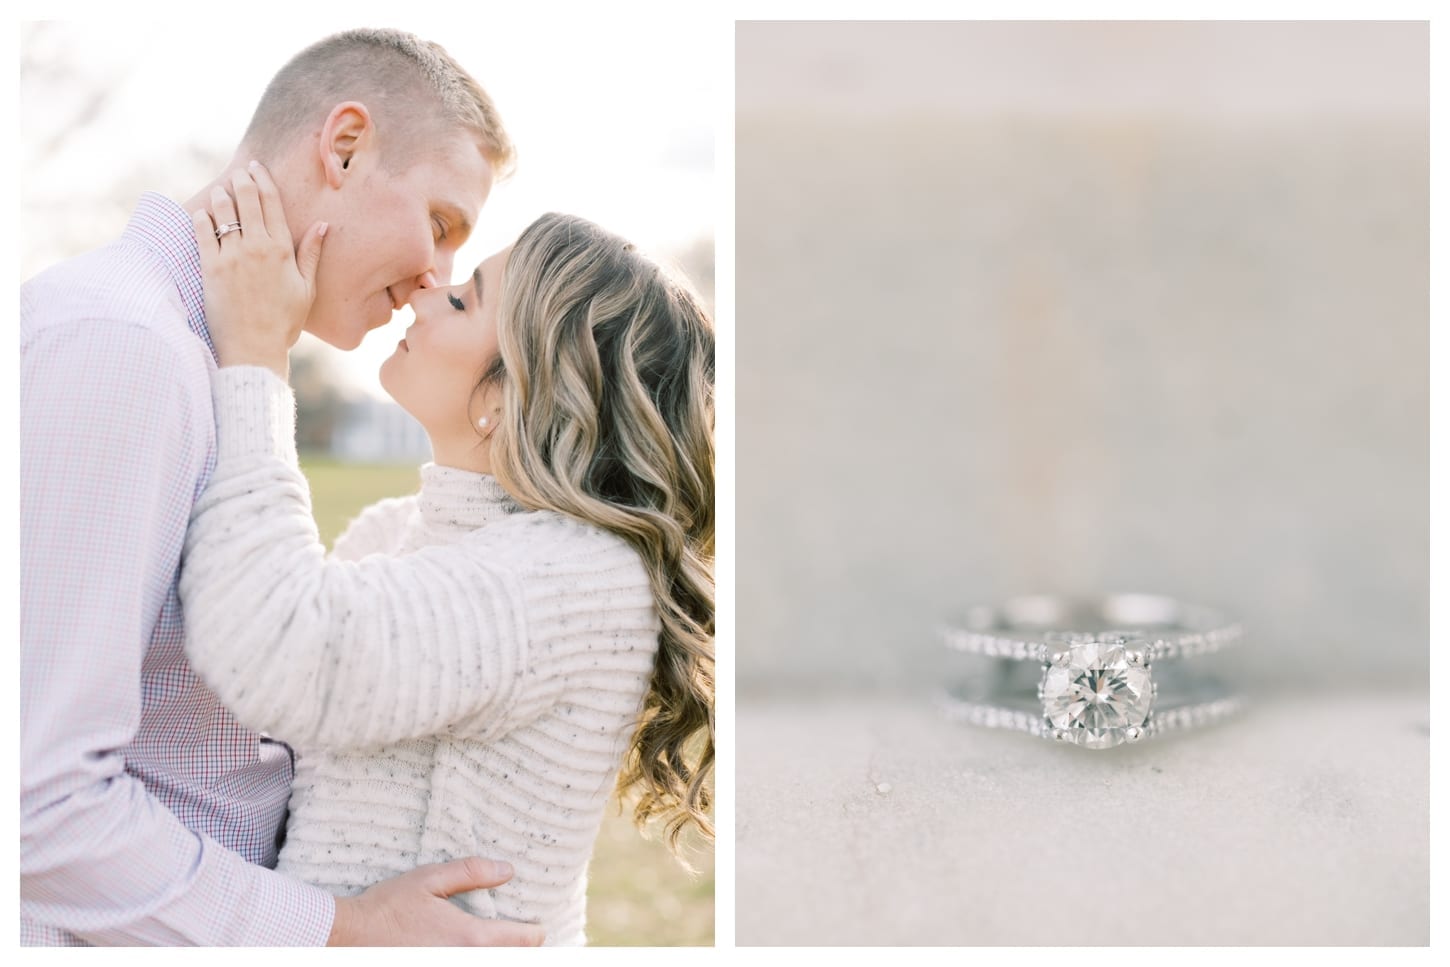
{"points": [[255, 412], [281, 369], [277, 362]]}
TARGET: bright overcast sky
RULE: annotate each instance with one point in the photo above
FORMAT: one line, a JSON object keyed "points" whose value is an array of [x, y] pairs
{"points": [[613, 115]]}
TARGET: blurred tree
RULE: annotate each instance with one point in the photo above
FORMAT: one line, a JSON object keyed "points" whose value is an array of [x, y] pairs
{"points": [[62, 97], [72, 98], [322, 395]]}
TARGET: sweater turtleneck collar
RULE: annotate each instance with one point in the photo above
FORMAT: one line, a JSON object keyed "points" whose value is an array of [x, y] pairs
{"points": [[454, 501]]}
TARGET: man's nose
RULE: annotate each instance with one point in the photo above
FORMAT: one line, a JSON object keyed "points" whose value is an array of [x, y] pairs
{"points": [[428, 280], [443, 264]]}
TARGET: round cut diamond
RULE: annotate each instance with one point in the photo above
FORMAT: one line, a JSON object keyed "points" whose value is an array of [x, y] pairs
{"points": [[1096, 694]]}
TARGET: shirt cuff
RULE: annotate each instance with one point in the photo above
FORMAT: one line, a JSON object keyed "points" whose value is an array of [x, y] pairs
{"points": [[256, 414], [296, 914], [263, 908]]}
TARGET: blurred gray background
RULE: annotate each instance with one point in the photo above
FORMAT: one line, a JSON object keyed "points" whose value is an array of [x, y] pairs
{"points": [[1081, 307]]}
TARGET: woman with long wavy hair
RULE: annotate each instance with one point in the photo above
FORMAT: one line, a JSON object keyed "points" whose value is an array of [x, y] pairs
{"points": [[473, 668]]}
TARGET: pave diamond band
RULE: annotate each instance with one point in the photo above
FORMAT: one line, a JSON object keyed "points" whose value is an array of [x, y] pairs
{"points": [[1026, 628], [1101, 666], [1177, 719]]}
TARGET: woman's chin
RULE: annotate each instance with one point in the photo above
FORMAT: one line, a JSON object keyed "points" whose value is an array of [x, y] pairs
{"points": [[385, 378], [396, 386]]}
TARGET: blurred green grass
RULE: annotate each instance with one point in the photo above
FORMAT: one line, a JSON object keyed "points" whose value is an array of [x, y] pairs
{"points": [[638, 894]]}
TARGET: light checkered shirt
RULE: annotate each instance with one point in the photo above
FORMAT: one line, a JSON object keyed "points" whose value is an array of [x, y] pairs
{"points": [[148, 815]]}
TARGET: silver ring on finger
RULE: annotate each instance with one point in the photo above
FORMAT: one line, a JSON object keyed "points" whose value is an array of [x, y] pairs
{"points": [[228, 227]]}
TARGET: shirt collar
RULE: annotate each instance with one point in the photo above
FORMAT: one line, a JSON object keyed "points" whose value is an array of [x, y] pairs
{"points": [[160, 224], [454, 501]]}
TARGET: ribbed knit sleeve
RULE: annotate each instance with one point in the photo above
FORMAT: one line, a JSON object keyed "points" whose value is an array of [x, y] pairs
{"points": [[474, 637], [332, 653]]}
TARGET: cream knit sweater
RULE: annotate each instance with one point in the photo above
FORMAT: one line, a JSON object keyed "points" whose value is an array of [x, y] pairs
{"points": [[460, 677]]}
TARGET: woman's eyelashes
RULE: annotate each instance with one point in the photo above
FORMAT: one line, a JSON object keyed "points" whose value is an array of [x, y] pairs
{"points": [[455, 302]]}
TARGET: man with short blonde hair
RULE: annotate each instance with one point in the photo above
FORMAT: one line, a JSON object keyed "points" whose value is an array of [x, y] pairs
{"points": [[148, 814]]}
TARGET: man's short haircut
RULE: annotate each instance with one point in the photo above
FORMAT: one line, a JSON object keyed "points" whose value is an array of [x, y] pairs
{"points": [[415, 92]]}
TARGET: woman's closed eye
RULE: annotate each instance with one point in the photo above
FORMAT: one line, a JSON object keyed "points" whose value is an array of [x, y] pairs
{"points": [[455, 302]]}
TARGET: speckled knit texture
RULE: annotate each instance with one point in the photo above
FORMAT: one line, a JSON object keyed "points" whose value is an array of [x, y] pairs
{"points": [[460, 677]]}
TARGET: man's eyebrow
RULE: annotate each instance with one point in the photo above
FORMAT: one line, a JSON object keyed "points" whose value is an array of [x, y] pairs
{"points": [[478, 282]]}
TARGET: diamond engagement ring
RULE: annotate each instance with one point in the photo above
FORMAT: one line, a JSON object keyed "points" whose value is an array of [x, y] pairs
{"points": [[1101, 665], [228, 227]]}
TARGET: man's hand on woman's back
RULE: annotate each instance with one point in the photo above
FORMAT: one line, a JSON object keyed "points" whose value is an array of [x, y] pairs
{"points": [[412, 910]]}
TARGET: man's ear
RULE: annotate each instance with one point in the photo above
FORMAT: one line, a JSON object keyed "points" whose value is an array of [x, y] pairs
{"points": [[347, 130]]}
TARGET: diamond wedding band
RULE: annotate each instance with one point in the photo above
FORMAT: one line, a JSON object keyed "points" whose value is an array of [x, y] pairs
{"points": [[1100, 667], [228, 227]]}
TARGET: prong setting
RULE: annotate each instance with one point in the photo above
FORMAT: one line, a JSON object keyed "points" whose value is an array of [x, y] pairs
{"points": [[1096, 692]]}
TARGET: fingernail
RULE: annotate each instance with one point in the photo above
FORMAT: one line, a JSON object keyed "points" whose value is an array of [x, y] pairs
{"points": [[502, 870], [322, 229], [254, 164]]}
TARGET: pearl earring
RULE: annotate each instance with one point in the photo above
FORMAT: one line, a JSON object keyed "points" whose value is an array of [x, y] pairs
{"points": [[482, 421]]}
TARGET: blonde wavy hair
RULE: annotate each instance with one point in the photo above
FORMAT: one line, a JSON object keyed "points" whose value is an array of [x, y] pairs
{"points": [[607, 369]]}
